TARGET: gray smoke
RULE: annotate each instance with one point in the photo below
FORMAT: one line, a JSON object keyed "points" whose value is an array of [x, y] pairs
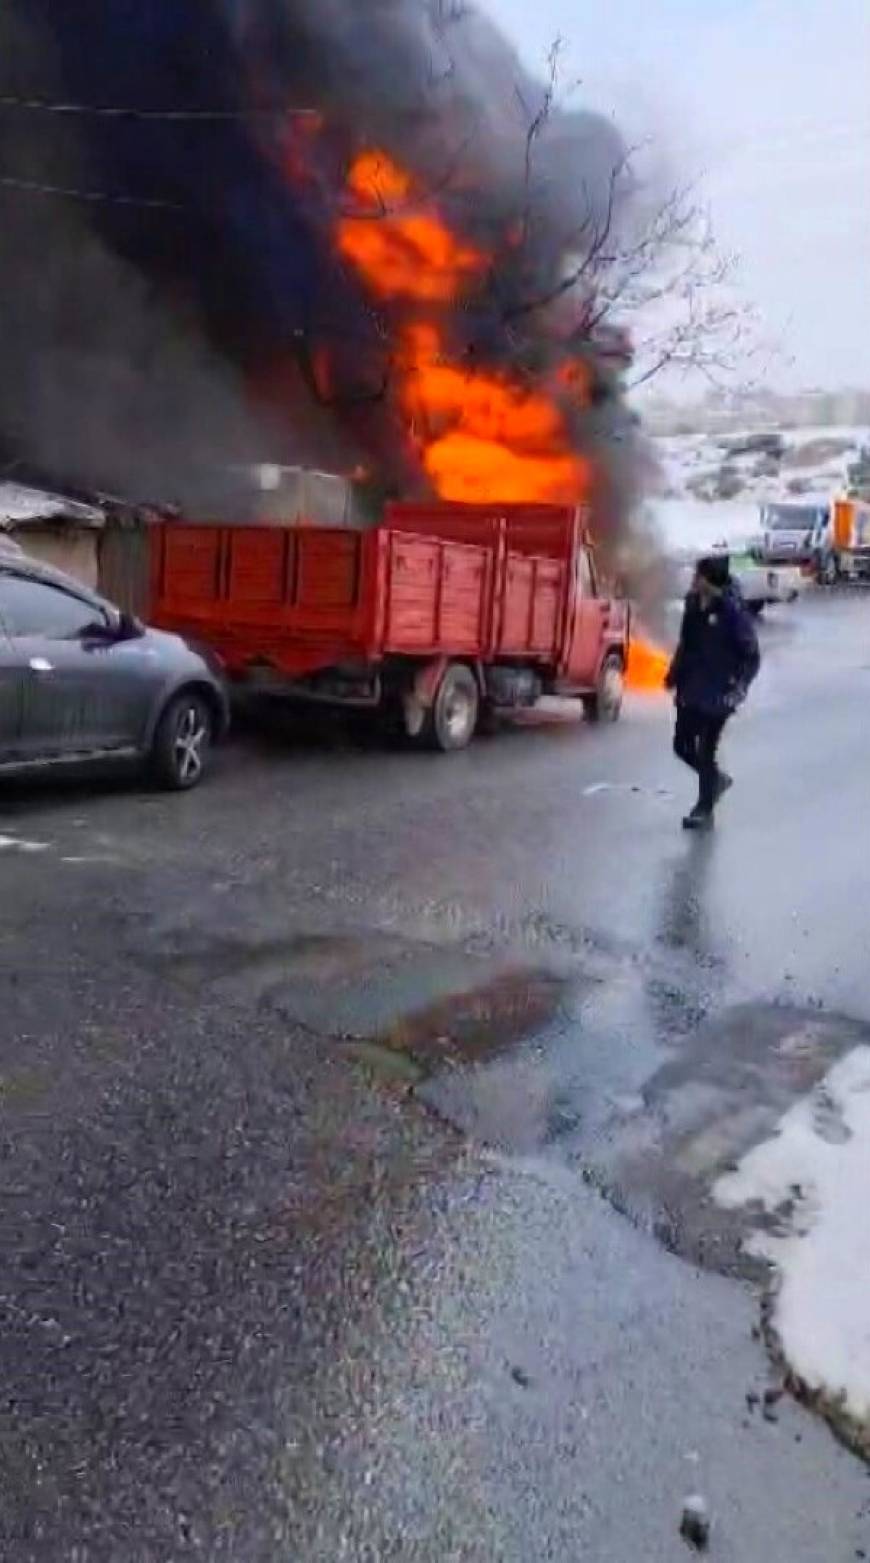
{"points": [[106, 381], [436, 84], [149, 353]]}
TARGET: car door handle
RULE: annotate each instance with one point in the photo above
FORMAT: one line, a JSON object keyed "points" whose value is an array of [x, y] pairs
{"points": [[40, 665]]}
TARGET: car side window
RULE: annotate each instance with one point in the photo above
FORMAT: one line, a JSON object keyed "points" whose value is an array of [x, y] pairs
{"points": [[585, 581], [29, 607]]}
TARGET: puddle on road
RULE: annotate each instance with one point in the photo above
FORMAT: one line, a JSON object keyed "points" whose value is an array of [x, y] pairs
{"points": [[522, 1067], [627, 1081], [438, 1006], [469, 1028]]}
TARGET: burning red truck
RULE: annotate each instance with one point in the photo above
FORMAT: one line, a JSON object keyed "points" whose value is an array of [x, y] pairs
{"points": [[440, 619]]}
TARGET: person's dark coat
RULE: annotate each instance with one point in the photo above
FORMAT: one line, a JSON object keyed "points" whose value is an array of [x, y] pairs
{"points": [[717, 657]]}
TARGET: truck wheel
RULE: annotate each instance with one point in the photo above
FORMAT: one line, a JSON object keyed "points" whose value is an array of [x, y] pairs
{"points": [[180, 752], [606, 703], [453, 717]]}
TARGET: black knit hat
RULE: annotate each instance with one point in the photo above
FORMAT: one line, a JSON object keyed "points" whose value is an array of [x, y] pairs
{"points": [[715, 569]]}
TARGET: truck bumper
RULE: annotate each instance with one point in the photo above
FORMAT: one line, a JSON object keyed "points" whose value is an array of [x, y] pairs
{"points": [[855, 567]]}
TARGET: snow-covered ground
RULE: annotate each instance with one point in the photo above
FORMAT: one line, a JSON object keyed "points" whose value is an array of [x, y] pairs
{"points": [[814, 464], [813, 461], [692, 524], [812, 1179]]}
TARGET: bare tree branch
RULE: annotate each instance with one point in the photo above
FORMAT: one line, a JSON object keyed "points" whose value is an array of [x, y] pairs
{"points": [[667, 278], [661, 275]]}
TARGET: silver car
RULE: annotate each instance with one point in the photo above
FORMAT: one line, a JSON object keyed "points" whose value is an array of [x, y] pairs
{"points": [[81, 682]]}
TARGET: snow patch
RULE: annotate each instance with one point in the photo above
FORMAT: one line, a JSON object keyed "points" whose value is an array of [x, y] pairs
{"points": [[812, 1178], [694, 524], [20, 504], [685, 458]]}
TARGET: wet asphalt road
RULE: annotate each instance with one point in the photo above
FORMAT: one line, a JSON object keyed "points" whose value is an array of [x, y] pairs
{"points": [[358, 1117]]}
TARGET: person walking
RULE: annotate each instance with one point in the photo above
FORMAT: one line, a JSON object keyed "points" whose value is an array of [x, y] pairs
{"points": [[715, 662]]}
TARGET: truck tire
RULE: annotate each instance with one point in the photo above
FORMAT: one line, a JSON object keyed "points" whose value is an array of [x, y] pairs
{"points": [[182, 742], [605, 705], [452, 721]]}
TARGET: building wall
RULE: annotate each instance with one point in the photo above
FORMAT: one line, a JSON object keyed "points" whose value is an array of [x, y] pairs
{"points": [[125, 567], [72, 549]]}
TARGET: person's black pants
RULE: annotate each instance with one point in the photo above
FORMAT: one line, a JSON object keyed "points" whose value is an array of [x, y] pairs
{"points": [[696, 741]]}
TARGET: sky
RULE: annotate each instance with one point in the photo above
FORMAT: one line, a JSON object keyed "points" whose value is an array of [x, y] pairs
{"points": [[767, 103]]}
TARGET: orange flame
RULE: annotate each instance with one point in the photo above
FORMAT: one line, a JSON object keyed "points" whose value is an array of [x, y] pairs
{"points": [[647, 666], [482, 435], [400, 251]]}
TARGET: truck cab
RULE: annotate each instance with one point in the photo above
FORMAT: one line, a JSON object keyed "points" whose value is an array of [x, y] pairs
{"points": [[796, 532]]}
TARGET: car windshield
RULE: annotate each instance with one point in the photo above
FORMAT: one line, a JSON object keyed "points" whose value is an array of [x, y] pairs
{"points": [[791, 518]]}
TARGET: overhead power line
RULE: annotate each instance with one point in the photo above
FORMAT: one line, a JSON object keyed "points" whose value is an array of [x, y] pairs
{"points": [[118, 111], [94, 197]]}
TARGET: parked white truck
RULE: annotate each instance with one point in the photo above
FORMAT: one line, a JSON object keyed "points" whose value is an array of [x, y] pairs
{"points": [[796, 532], [760, 585], [830, 539]]}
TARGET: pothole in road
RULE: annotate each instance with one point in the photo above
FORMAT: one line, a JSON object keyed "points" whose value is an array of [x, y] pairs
{"points": [[741, 1154], [467, 1029], [646, 1099], [435, 1007], [654, 1135], [724, 1093], [250, 965], [746, 1153], [625, 1081]]}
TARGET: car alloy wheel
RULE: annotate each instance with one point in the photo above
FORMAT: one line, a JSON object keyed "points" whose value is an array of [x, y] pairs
{"points": [[190, 743]]}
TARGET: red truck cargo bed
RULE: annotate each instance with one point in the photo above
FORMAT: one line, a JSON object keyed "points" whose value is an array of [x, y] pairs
{"points": [[312, 597], [305, 598]]}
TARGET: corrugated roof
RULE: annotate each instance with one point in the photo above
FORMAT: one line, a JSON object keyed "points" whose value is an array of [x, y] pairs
{"points": [[23, 506]]}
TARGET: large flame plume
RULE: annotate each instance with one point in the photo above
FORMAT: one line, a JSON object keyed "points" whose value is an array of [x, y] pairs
{"points": [[481, 435], [310, 231]]}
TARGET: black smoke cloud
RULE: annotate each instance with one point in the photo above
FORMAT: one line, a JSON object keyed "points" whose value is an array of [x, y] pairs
{"points": [[139, 329]]}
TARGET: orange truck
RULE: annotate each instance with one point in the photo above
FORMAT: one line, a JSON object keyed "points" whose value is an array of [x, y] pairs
{"points": [[441, 617], [850, 539]]}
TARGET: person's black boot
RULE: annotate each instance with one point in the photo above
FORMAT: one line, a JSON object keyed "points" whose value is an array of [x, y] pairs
{"points": [[699, 818], [724, 781]]}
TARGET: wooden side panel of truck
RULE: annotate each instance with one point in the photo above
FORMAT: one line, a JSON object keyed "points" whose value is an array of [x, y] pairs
{"points": [[372, 617]]}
